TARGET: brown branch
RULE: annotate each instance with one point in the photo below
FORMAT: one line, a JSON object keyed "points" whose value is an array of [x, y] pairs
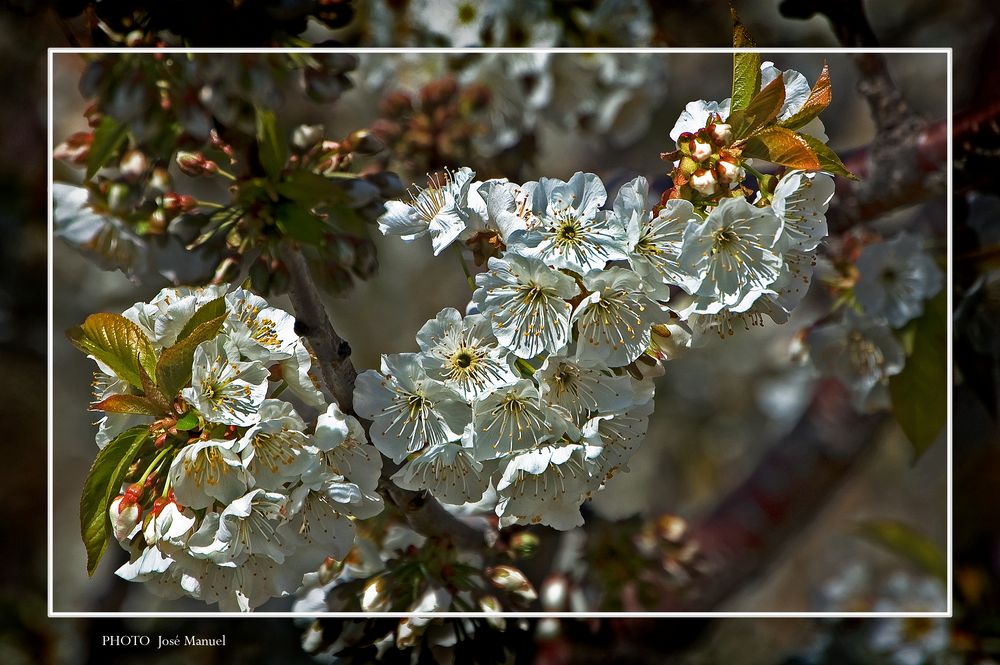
{"points": [[422, 512], [789, 487]]}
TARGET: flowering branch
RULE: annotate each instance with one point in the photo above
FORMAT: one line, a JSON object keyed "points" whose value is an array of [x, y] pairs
{"points": [[422, 512]]}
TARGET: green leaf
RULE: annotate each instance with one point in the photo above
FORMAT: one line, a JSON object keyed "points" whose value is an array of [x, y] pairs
{"points": [[174, 369], [781, 146], [188, 421], [828, 159], [128, 404], [272, 148], [819, 98], [761, 110], [102, 484], [309, 189], [117, 342], [295, 221], [207, 312], [108, 137], [920, 392], [746, 66], [907, 542]]}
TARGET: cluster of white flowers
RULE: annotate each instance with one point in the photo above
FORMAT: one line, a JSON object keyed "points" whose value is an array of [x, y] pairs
{"points": [[543, 388], [895, 277], [242, 497]]}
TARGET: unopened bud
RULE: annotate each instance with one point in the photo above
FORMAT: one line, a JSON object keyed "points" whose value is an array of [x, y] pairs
{"points": [[124, 516], [703, 181], [133, 165], [75, 149], [513, 581], [525, 544], [491, 605], [195, 164], [363, 142], [700, 150], [174, 203], [721, 133], [729, 172], [375, 597], [306, 136], [684, 139]]}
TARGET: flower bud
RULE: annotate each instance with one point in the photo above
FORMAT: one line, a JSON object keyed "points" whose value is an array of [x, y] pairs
{"points": [[721, 133], [513, 581], [363, 142], [125, 515], [306, 136], [684, 139], [525, 544], [700, 150], [133, 165], [375, 597], [195, 164], [173, 202], [75, 149], [703, 181], [491, 605], [729, 172], [159, 180]]}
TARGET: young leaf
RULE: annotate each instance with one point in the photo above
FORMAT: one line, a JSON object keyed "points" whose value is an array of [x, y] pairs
{"points": [[174, 369], [103, 481], [782, 146], [187, 422], [272, 148], [108, 137], [828, 160], [309, 189], [746, 67], [117, 342], [128, 404], [152, 393], [905, 541], [295, 221], [919, 392], [819, 98], [207, 312], [763, 108]]}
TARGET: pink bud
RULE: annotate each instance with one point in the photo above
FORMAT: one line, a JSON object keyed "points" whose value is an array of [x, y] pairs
{"points": [[75, 149], [124, 516], [703, 181], [133, 165], [729, 172], [700, 150], [512, 580], [721, 133]]}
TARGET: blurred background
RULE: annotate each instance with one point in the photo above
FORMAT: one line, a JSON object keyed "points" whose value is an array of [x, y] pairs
{"points": [[722, 412]]}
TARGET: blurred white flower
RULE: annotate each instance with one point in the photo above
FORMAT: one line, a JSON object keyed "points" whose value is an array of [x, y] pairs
{"points": [[894, 279]]}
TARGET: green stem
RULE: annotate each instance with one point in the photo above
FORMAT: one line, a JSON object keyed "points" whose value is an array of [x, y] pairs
{"points": [[155, 463], [465, 267], [525, 366], [166, 487], [225, 174], [210, 204]]}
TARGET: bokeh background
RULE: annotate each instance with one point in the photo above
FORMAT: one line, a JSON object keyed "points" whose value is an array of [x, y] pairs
{"points": [[716, 415]]}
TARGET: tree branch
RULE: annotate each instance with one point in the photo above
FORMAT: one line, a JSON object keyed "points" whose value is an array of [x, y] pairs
{"points": [[422, 512]]}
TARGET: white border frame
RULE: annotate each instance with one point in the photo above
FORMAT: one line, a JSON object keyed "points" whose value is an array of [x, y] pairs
{"points": [[52, 613]]}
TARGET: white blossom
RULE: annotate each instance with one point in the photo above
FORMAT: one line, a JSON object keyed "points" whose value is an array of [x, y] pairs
{"points": [[260, 332], [614, 319], [513, 419], [449, 471], [208, 471], [525, 302], [583, 387], [463, 353], [225, 389], [437, 210], [409, 410], [733, 254], [570, 230], [276, 450], [894, 279]]}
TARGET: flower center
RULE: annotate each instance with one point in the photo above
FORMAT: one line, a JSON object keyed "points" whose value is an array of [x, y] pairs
{"points": [[865, 357], [724, 240], [463, 358]]}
